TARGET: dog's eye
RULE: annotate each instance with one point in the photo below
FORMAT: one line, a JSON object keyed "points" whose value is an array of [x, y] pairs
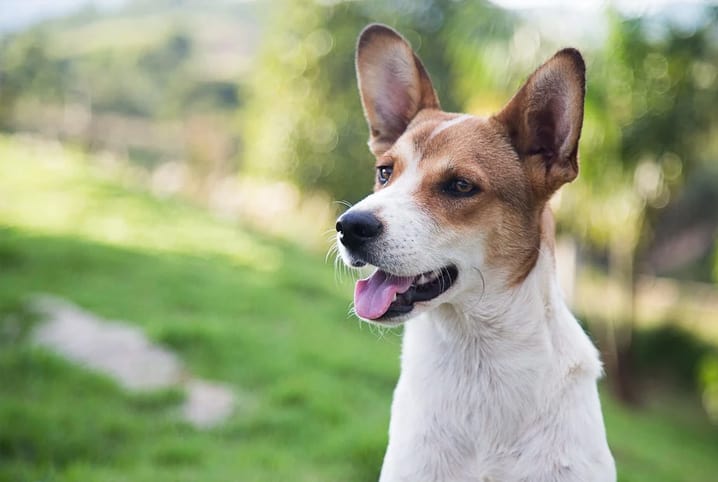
{"points": [[461, 188], [383, 173]]}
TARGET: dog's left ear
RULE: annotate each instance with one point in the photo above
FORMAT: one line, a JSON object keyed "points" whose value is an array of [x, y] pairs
{"points": [[393, 85], [544, 121]]}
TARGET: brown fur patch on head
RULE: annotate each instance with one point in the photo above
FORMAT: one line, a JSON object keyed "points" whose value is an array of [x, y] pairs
{"points": [[503, 211]]}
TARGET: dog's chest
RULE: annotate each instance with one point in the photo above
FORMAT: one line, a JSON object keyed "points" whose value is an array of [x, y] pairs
{"points": [[460, 410]]}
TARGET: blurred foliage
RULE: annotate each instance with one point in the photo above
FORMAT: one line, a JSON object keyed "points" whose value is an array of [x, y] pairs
{"points": [[154, 82], [304, 118], [709, 383], [157, 81], [651, 118], [674, 354]]}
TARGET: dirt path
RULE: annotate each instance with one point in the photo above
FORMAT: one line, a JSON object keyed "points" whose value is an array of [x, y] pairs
{"points": [[123, 352]]}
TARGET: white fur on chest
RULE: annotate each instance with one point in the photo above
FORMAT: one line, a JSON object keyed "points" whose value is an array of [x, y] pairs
{"points": [[507, 394]]}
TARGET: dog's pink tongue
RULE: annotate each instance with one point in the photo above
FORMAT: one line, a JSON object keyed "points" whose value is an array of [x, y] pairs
{"points": [[372, 296]]}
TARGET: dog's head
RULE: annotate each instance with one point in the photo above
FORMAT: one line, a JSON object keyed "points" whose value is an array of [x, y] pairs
{"points": [[458, 199]]}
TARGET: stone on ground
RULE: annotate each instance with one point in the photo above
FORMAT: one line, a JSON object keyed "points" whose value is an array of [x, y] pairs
{"points": [[123, 352]]}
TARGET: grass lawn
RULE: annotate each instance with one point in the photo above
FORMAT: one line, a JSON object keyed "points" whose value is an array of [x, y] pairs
{"points": [[313, 385]]}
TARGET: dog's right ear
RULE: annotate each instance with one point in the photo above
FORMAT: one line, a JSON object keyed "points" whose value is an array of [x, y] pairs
{"points": [[544, 119], [393, 84]]}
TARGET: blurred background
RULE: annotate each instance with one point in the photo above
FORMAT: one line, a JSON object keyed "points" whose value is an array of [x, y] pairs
{"points": [[170, 171]]}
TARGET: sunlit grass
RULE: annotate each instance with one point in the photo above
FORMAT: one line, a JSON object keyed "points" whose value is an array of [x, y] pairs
{"points": [[50, 189]]}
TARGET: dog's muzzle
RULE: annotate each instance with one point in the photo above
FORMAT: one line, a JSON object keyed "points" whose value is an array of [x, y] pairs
{"points": [[385, 295]]}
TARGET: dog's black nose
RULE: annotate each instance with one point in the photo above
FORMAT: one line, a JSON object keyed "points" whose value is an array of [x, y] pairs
{"points": [[358, 227]]}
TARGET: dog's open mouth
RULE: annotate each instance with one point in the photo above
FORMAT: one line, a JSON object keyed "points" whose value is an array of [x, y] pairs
{"points": [[383, 295]]}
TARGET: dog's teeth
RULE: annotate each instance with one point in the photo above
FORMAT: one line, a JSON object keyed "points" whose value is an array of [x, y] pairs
{"points": [[425, 278], [395, 297]]}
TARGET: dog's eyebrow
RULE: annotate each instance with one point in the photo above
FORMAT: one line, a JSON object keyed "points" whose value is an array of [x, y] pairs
{"points": [[473, 172], [446, 124]]}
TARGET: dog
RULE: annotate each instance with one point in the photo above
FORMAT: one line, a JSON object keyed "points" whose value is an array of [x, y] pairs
{"points": [[498, 380]]}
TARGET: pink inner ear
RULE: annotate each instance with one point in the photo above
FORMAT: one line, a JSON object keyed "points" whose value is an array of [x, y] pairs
{"points": [[561, 115], [562, 123], [550, 124], [393, 84], [392, 106]]}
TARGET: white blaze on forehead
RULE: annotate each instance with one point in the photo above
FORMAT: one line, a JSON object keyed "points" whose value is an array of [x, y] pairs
{"points": [[406, 150], [405, 184], [447, 124]]}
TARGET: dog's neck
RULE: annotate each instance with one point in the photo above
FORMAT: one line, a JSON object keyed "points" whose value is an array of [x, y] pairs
{"points": [[494, 313], [504, 343]]}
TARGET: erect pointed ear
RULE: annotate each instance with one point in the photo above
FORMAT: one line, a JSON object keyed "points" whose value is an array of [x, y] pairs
{"points": [[544, 121], [393, 84]]}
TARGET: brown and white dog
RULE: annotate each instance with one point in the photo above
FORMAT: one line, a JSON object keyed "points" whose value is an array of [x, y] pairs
{"points": [[498, 380]]}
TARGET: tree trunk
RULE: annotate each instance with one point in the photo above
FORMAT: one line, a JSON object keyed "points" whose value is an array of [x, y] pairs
{"points": [[618, 353]]}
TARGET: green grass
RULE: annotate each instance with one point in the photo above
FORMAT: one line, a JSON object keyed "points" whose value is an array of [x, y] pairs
{"points": [[314, 385], [669, 440]]}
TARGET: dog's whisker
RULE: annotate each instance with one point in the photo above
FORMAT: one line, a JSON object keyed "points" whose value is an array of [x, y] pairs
{"points": [[379, 331], [339, 268], [351, 312], [354, 273], [331, 251], [344, 203], [442, 283], [483, 284], [344, 271]]}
